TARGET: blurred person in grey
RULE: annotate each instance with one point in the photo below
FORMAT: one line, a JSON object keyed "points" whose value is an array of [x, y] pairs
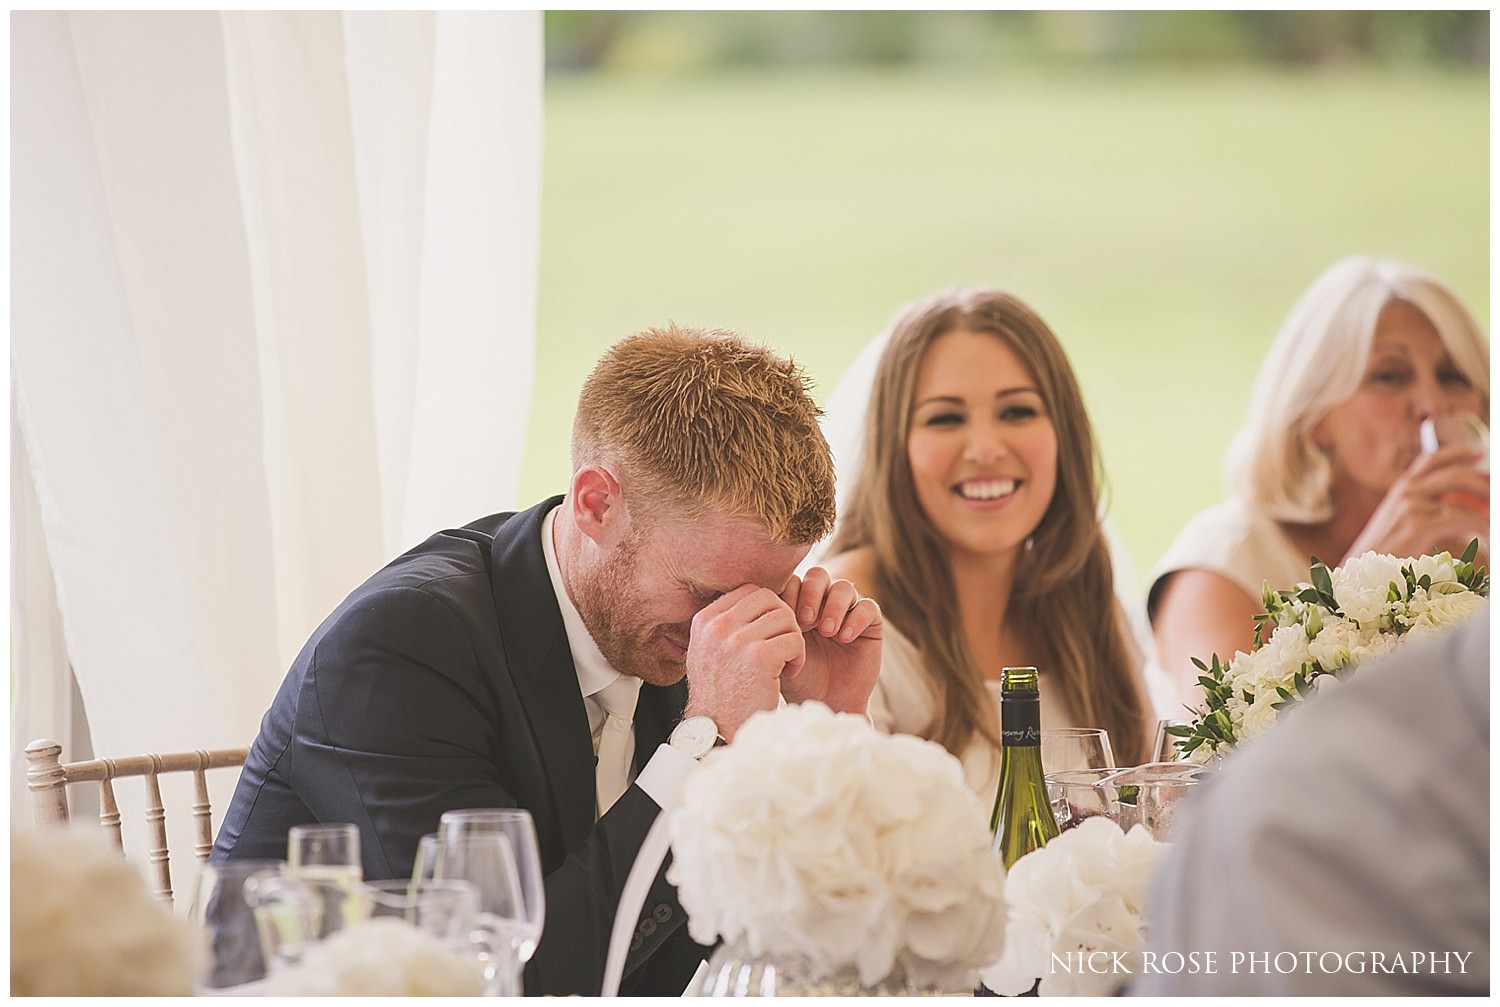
{"points": [[1347, 851]]}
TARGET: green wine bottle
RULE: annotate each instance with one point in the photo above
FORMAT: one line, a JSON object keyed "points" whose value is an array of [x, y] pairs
{"points": [[1022, 820]]}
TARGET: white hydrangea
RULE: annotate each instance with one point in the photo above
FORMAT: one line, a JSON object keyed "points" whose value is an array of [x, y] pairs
{"points": [[815, 836], [380, 957], [1085, 891], [82, 922]]}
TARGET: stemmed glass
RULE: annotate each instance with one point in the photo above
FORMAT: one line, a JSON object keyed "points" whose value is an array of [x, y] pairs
{"points": [[227, 921], [1068, 748], [484, 861], [515, 823]]}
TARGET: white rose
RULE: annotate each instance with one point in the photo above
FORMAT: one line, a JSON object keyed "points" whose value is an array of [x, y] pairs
{"points": [[1274, 664], [1259, 716], [1444, 609], [1438, 568], [1337, 642]]}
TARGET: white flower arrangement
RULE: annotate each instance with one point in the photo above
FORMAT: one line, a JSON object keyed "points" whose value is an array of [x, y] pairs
{"points": [[379, 957], [1083, 893], [82, 922], [818, 839], [1321, 631]]}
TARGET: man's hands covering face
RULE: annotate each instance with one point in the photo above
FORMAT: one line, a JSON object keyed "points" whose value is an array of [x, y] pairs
{"points": [[817, 640]]}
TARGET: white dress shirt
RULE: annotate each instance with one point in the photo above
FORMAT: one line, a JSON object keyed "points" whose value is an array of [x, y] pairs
{"points": [[664, 775]]}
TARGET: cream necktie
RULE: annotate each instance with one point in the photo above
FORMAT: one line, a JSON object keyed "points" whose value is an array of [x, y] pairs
{"points": [[616, 741]]}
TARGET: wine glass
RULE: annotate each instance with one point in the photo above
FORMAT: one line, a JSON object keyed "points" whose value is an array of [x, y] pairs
{"points": [[485, 862], [1066, 748], [227, 922], [515, 823]]}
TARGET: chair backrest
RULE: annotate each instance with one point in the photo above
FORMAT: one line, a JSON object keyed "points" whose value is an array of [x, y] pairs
{"points": [[48, 777]]}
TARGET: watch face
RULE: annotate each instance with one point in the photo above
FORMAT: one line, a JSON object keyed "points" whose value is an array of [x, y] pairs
{"points": [[695, 736]]}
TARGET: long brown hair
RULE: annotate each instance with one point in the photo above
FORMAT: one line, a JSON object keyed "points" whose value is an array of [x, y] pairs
{"points": [[1064, 588]]}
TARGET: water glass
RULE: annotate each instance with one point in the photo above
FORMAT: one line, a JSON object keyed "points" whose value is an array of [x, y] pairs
{"points": [[444, 908], [1154, 791], [226, 921], [327, 852], [1077, 794], [1068, 748]]}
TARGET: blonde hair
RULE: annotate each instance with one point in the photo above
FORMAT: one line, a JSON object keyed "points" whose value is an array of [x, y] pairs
{"points": [[700, 420], [1317, 361], [1066, 584]]}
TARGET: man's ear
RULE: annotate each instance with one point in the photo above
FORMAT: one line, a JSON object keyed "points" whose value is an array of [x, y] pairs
{"points": [[598, 506]]}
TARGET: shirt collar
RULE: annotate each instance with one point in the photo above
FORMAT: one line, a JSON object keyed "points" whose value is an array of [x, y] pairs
{"points": [[594, 671]]}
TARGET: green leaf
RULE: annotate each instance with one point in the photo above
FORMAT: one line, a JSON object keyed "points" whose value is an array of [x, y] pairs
{"points": [[1470, 551]]}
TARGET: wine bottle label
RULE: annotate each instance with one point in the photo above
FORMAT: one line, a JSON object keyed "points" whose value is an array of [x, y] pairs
{"points": [[1021, 723]]}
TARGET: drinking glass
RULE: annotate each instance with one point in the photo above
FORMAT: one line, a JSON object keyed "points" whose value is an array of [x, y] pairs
{"points": [[1458, 428], [1077, 794], [1157, 803], [326, 858], [443, 907], [1154, 789], [515, 823], [326, 853], [1067, 748], [227, 922], [485, 861], [1164, 746], [1455, 428]]}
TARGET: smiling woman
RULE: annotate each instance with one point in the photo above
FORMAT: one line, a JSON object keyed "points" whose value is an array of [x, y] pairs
{"points": [[974, 521]]}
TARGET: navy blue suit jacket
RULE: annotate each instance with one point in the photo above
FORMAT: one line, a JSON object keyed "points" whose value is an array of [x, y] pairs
{"points": [[445, 681]]}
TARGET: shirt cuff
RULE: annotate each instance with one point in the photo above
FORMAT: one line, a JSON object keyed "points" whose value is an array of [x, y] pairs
{"points": [[665, 775]]}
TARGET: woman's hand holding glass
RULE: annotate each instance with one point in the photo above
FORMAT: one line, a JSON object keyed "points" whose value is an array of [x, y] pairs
{"points": [[1442, 499]]}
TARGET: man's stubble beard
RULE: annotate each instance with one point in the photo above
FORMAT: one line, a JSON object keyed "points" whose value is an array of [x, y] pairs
{"points": [[606, 596]]}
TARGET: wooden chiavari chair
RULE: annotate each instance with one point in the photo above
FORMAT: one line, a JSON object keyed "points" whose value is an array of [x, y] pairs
{"points": [[48, 779]]}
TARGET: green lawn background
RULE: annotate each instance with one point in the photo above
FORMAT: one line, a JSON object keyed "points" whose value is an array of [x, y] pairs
{"points": [[1162, 221]]}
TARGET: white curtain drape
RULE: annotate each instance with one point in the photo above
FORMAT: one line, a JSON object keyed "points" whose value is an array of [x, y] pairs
{"points": [[273, 290]]}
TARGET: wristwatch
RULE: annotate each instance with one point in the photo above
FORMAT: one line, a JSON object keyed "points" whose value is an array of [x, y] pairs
{"points": [[695, 736]]}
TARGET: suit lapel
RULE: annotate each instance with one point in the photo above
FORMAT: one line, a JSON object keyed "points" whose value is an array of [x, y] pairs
{"points": [[541, 668]]}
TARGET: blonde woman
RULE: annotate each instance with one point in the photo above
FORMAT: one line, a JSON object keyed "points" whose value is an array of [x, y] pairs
{"points": [[1328, 463], [974, 520]]}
